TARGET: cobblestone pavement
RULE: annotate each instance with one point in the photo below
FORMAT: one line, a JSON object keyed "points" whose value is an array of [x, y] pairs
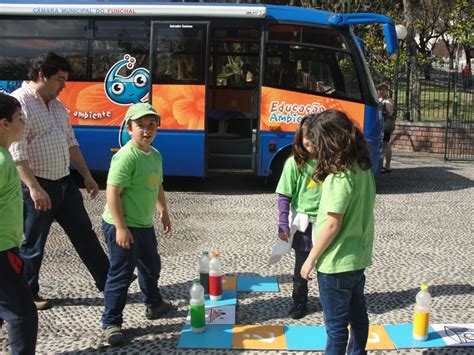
{"points": [[424, 234]]}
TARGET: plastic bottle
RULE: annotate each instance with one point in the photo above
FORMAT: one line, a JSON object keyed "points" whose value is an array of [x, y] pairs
{"points": [[421, 318], [196, 306], [215, 277], [204, 271]]}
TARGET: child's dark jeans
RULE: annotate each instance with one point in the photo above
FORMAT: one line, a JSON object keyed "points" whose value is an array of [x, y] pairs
{"points": [[343, 301], [302, 244], [16, 304], [300, 285], [144, 255]]}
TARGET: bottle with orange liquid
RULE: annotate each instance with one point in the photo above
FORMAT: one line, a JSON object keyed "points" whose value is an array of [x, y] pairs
{"points": [[421, 318]]}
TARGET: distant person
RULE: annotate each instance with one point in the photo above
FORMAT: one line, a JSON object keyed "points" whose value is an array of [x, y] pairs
{"points": [[16, 302], [465, 78], [388, 126], [343, 235], [43, 157], [297, 191], [134, 192]]}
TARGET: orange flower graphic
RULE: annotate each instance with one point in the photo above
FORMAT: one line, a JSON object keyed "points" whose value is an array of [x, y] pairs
{"points": [[181, 106], [191, 108]]}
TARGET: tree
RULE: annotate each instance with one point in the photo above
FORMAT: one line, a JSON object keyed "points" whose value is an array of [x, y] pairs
{"points": [[412, 72], [460, 29], [429, 26]]}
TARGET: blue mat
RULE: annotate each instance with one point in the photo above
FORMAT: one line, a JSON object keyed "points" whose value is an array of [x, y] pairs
{"points": [[215, 337], [402, 337], [257, 284], [300, 337], [228, 298]]}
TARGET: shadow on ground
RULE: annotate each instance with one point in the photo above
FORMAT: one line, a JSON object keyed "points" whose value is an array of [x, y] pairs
{"points": [[422, 180], [416, 179], [134, 346]]}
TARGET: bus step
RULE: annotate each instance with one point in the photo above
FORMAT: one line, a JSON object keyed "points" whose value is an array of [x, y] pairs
{"points": [[229, 161], [217, 172], [229, 146]]}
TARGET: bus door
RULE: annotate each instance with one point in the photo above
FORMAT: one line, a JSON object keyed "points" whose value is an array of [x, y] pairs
{"points": [[178, 62], [233, 96]]}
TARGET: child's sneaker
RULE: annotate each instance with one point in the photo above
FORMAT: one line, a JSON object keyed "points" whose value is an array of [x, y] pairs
{"points": [[113, 335], [157, 311]]}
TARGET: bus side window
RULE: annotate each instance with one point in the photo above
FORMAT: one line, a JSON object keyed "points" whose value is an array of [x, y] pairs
{"points": [[312, 69], [178, 55], [23, 40], [113, 39]]}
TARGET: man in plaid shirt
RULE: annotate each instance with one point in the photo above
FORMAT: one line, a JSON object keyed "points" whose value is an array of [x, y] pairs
{"points": [[42, 158]]}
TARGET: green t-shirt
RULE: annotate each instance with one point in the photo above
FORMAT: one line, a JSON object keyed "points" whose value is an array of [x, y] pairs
{"points": [[141, 175], [353, 195], [300, 187], [11, 203]]}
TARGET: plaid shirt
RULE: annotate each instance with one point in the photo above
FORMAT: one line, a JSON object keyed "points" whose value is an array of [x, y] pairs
{"points": [[47, 135]]}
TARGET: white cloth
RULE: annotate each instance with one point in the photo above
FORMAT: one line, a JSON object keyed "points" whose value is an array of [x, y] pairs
{"points": [[298, 222]]}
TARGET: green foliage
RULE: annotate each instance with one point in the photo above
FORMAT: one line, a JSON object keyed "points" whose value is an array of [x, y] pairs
{"points": [[461, 27]]}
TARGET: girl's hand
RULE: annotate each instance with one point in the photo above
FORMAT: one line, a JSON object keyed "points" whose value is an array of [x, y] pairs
{"points": [[284, 236], [123, 238], [165, 219], [306, 269]]}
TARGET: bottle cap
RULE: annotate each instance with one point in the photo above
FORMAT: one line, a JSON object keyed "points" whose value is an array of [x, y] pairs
{"points": [[424, 287], [215, 254], [196, 281]]}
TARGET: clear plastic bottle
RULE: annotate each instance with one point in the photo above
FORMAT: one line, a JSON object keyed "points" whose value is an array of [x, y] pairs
{"points": [[215, 277], [197, 308], [421, 318], [204, 271]]}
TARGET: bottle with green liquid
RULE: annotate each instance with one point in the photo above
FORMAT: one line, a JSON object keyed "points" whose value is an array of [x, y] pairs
{"points": [[197, 309]]}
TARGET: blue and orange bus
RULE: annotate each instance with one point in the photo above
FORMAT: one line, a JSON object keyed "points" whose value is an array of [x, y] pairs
{"points": [[230, 81]]}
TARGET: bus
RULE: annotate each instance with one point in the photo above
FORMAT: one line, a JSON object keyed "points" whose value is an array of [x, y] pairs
{"points": [[231, 82]]}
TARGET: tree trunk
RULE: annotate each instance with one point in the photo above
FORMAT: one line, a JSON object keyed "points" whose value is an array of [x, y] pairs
{"points": [[467, 53], [415, 88]]}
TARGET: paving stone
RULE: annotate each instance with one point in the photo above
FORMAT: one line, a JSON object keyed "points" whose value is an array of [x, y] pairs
{"points": [[424, 234]]}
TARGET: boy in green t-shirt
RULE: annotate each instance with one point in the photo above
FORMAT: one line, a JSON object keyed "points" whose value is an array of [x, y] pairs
{"points": [[16, 302], [134, 191]]}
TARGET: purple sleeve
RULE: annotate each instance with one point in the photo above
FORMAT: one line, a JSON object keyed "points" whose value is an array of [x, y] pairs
{"points": [[283, 203]]}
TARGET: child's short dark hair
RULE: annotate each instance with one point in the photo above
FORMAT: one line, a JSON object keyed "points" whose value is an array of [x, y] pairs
{"points": [[339, 144], [383, 86], [8, 106], [48, 64]]}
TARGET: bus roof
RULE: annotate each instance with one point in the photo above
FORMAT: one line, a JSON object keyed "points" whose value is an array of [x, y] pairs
{"points": [[152, 8]]}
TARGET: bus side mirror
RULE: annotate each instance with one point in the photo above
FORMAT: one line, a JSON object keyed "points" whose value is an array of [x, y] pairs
{"points": [[390, 38]]}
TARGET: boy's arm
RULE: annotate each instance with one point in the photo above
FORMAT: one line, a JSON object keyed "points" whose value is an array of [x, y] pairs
{"points": [[123, 237], [323, 240], [163, 210]]}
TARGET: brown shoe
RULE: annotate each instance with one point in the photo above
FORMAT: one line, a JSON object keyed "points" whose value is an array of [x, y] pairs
{"points": [[41, 304]]}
